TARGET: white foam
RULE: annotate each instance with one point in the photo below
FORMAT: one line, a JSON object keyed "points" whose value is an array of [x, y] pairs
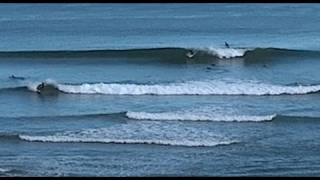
{"points": [[226, 53], [136, 132], [194, 116], [32, 86], [214, 87], [62, 139]]}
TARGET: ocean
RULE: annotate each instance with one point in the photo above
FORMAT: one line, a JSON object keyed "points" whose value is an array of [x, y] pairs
{"points": [[159, 89]]}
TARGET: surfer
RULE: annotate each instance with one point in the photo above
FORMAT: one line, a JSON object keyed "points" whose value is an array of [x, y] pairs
{"points": [[47, 89], [40, 87], [226, 44], [15, 77], [191, 53]]}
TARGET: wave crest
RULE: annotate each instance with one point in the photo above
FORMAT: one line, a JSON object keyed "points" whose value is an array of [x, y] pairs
{"points": [[197, 116]]}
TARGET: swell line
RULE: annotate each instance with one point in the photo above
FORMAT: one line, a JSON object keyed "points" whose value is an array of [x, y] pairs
{"points": [[172, 116], [168, 54]]}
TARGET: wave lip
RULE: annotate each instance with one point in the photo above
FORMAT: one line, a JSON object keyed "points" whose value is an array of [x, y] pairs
{"points": [[181, 116]]}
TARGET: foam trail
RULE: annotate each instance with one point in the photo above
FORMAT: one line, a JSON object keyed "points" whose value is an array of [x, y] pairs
{"points": [[197, 116], [214, 87], [63, 139]]}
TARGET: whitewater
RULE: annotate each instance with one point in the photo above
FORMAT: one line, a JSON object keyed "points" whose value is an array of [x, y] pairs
{"points": [[212, 87]]}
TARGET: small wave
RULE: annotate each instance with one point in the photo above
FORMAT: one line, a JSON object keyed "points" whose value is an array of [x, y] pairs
{"points": [[197, 117], [57, 139], [136, 132]]}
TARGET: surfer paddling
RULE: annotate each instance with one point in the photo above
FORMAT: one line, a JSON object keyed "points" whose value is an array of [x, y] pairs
{"points": [[16, 77]]}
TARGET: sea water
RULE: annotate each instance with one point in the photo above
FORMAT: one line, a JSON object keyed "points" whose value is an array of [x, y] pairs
{"points": [[152, 90]]}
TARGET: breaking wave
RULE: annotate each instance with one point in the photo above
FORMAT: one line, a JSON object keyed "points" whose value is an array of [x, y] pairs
{"points": [[209, 87], [173, 134], [212, 87], [166, 54]]}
